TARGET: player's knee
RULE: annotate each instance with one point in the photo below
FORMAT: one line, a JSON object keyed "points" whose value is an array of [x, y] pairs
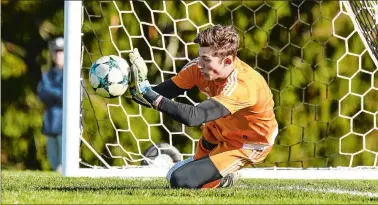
{"points": [[178, 165], [179, 179]]}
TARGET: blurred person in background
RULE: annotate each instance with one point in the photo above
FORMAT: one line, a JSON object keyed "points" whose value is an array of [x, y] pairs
{"points": [[50, 91]]}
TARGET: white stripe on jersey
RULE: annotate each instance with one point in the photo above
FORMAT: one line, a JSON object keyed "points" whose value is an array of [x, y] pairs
{"points": [[192, 62], [226, 87], [231, 85], [232, 89], [236, 165]]}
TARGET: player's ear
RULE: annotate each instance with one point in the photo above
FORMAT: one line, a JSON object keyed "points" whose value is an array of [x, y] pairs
{"points": [[228, 60]]}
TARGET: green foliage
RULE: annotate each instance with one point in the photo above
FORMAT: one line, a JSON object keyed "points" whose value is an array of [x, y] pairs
{"points": [[13, 64], [23, 54]]}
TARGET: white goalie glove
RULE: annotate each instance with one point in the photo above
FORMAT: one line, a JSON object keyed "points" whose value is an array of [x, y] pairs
{"points": [[139, 84]]}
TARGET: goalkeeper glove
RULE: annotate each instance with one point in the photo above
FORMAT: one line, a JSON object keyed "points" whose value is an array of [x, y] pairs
{"points": [[139, 85]]}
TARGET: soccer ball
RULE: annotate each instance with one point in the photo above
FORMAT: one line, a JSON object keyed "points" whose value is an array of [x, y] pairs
{"points": [[109, 76]]}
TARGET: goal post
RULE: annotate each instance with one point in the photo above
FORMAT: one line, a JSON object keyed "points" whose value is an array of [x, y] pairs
{"points": [[71, 87], [72, 128], [322, 70]]}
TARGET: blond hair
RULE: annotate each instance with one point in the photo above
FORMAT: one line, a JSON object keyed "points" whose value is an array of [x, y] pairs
{"points": [[224, 40]]}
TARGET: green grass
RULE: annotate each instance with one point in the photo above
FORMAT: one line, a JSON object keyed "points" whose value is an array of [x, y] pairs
{"points": [[30, 187]]}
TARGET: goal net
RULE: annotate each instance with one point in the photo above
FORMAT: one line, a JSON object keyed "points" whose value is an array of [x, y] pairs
{"points": [[318, 57]]}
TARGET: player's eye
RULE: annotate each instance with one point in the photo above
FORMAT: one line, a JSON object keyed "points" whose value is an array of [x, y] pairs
{"points": [[206, 59]]}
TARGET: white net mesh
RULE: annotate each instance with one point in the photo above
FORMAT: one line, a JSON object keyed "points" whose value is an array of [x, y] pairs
{"points": [[372, 8], [363, 15], [324, 81]]}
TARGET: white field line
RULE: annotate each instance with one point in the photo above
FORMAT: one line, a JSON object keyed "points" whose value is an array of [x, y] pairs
{"points": [[331, 190], [323, 190]]}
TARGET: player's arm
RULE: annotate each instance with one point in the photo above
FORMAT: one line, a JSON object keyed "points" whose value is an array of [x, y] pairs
{"points": [[189, 115], [169, 89]]}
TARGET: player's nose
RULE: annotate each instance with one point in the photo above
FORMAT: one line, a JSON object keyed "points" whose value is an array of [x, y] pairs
{"points": [[200, 66], [202, 69]]}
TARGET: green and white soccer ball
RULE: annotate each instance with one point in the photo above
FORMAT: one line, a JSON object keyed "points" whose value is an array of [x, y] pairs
{"points": [[109, 76]]}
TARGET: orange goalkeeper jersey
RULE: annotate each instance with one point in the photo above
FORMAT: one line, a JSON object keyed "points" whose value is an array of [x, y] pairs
{"points": [[245, 94]]}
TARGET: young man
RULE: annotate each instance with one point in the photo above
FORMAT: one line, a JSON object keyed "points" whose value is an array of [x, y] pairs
{"points": [[240, 125]]}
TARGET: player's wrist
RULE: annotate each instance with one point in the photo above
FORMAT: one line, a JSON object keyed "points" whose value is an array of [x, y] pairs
{"points": [[144, 86], [150, 95]]}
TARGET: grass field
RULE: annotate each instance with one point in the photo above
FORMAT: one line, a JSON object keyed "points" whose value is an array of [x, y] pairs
{"points": [[30, 187]]}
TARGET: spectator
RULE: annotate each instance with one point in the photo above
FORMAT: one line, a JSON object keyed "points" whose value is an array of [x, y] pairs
{"points": [[50, 91]]}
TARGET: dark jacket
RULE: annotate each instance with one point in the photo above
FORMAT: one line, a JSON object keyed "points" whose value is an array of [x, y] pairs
{"points": [[50, 91]]}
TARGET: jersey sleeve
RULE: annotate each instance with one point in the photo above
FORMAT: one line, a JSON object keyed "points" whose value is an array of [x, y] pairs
{"points": [[189, 75], [237, 96]]}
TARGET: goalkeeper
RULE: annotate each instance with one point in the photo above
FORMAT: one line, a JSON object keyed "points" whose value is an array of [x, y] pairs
{"points": [[238, 122]]}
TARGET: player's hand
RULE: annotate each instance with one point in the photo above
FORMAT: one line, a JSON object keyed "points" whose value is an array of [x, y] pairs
{"points": [[139, 84], [138, 63]]}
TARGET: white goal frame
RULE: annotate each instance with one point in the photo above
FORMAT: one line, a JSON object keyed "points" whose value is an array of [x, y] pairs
{"points": [[73, 12]]}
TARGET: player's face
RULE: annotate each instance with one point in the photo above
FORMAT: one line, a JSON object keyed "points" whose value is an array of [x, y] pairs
{"points": [[212, 67]]}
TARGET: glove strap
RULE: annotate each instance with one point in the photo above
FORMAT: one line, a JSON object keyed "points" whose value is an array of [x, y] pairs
{"points": [[156, 102]]}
